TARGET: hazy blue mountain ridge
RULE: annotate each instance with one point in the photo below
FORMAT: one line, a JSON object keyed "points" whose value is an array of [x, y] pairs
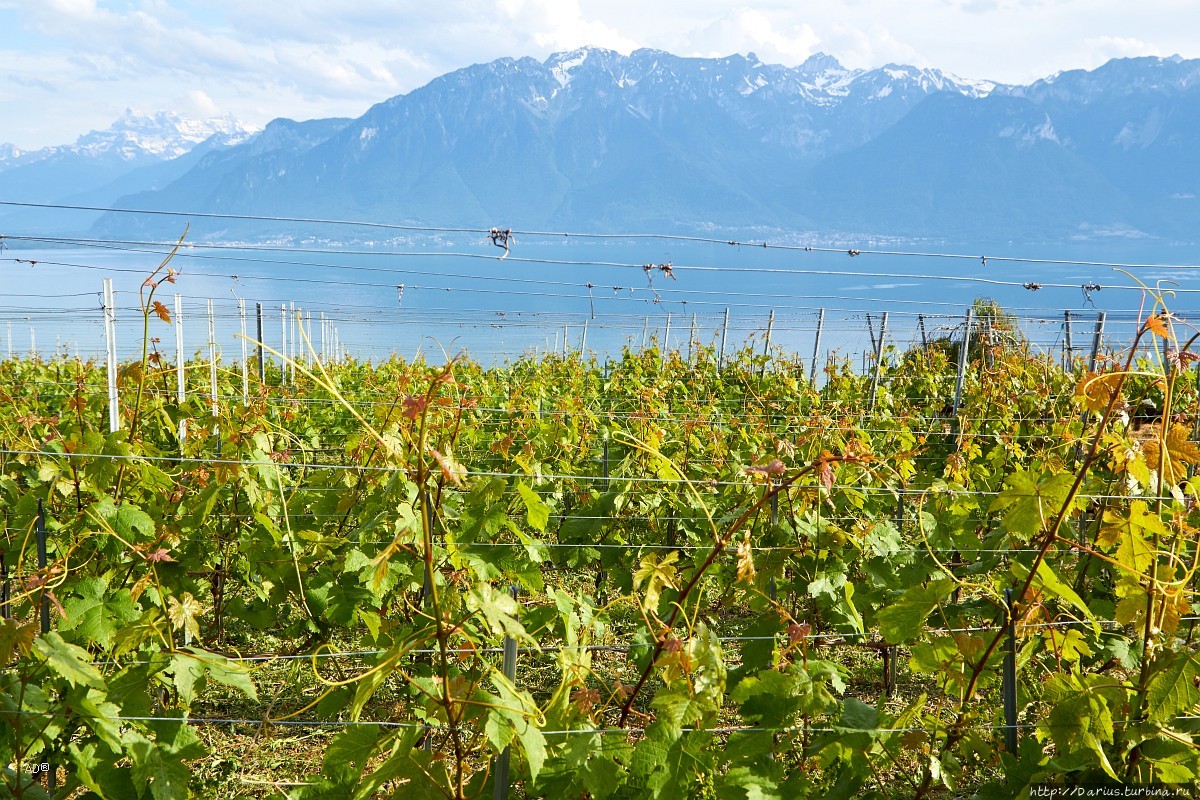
{"points": [[594, 140], [221, 175], [138, 152], [589, 140]]}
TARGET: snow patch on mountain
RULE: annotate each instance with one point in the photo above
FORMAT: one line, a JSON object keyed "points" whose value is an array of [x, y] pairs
{"points": [[562, 65], [139, 136], [164, 135]]}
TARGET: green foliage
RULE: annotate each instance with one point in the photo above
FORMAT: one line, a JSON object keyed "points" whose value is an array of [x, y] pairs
{"points": [[385, 511]]}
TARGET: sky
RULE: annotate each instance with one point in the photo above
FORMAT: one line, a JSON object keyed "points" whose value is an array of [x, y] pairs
{"points": [[70, 66]]}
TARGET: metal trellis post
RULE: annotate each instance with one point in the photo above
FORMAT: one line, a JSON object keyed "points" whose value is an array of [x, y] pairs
{"points": [[724, 333], [5, 588], [245, 355], [180, 381], [962, 361], [1010, 676], [289, 349], [45, 606], [212, 372], [767, 342], [1097, 340], [262, 364], [41, 556], [812, 373], [510, 672], [110, 341], [1068, 344], [666, 342], [878, 360]]}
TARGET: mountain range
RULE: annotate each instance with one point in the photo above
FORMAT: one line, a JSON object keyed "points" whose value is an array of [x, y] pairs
{"points": [[139, 152], [592, 140]]}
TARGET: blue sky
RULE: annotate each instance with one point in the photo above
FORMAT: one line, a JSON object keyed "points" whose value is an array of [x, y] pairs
{"points": [[69, 66]]}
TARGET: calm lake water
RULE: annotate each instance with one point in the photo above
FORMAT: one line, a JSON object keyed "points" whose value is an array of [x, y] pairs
{"points": [[455, 296]]}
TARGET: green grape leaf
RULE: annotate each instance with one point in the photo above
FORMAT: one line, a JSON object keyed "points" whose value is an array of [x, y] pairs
{"points": [[499, 610], [768, 697], [828, 580], [95, 769], [192, 669], [1130, 533], [537, 513], [533, 744], [751, 783], [103, 717], [1172, 690], [1030, 501], [127, 520], [184, 612], [678, 709], [160, 764], [1080, 720], [349, 751], [653, 575], [67, 661], [97, 614], [857, 715], [903, 620], [1049, 582]]}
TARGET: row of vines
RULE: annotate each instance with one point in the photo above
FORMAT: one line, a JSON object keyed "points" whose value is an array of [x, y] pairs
{"points": [[306, 595]]}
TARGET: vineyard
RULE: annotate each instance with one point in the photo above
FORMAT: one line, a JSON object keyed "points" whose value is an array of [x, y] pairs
{"points": [[962, 571]]}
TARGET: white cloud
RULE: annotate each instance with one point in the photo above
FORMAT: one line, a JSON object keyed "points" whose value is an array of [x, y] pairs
{"points": [[561, 25], [1106, 47], [197, 103], [745, 30], [70, 65], [872, 46]]}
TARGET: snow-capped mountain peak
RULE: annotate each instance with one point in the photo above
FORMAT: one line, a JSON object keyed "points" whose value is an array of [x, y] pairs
{"points": [[163, 134], [9, 154], [138, 136]]}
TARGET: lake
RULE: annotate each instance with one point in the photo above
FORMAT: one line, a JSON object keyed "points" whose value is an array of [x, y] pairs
{"points": [[451, 295]]}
